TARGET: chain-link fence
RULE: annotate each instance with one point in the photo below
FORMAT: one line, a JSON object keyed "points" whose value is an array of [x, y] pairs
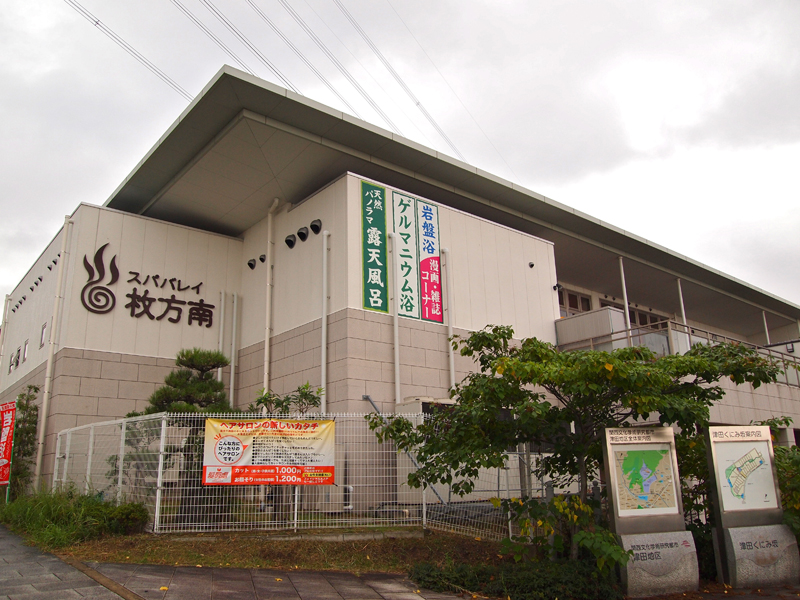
{"points": [[157, 460]]}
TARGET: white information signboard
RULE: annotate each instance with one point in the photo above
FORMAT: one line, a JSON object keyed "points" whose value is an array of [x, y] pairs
{"points": [[642, 471], [742, 458]]}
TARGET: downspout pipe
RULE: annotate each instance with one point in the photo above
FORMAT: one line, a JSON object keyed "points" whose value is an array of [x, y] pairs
{"points": [[3, 329], [234, 348], [324, 342], [396, 317], [223, 298], [448, 293], [268, 303], [766, 327], [51, 352]]}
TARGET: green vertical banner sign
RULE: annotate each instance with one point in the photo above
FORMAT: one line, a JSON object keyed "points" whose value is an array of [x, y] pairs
{"points": [[373, 241], [405, 226]]}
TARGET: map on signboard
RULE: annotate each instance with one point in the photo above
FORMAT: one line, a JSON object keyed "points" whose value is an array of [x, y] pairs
{"points": [[644, 479], [745, 476]]}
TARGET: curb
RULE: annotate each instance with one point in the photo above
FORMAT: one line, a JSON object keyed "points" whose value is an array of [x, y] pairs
{"points": [[101, 579]]}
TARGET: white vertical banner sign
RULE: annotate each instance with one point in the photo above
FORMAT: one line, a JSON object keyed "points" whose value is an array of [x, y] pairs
{"points": [[405, 226]]}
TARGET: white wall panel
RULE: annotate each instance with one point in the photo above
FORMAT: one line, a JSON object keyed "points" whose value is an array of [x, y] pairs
{"points": [[26, 322], [147, 247], [99, 329], [297, 295]]}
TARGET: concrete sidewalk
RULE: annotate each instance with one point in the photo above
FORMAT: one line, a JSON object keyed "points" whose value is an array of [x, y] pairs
{"points": [[27, 573], [193, 583]]}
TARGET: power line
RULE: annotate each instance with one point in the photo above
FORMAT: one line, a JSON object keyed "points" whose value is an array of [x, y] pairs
{"points": [[474, 120], [300, 55], [367, 72], [250, 46], [342, 69], [201, 26], [129, 49], [398, 79]]}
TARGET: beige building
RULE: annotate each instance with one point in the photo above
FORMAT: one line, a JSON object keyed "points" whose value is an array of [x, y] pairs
{"points": [[262, 215]]}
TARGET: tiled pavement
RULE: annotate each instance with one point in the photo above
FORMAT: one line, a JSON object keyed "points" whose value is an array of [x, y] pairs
{"points": [[29, 574], [193, 583]]}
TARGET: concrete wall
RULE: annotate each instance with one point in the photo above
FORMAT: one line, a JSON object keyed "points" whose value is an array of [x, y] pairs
{"points": [[360, 361]]}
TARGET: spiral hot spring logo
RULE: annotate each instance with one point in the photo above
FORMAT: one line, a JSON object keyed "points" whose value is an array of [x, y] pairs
{"points": [[95, 297]]}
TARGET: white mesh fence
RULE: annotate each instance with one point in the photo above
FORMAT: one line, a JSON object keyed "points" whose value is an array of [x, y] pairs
{"points": [[157, 460]]}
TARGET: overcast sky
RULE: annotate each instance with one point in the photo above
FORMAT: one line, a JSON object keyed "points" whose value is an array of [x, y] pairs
{"points": [[677, 121]]}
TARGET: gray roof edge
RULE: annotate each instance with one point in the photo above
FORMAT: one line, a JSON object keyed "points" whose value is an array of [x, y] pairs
{"points": [[623, 238]]}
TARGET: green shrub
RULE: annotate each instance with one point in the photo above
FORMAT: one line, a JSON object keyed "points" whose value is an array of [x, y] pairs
{"points": [[58, 519], [544, 580]]}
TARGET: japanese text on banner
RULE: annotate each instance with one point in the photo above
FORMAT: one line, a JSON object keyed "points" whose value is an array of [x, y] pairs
{"points": [[373, 231], [430, 273], [405, 226], [7, 414], [269, 451]]}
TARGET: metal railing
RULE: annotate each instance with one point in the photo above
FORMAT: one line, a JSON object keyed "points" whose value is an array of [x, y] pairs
{"points": [[671, 337], [157, 460]]}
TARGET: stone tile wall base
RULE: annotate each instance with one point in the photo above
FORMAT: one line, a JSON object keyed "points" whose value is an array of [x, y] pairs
{"points": [[759, 563]]}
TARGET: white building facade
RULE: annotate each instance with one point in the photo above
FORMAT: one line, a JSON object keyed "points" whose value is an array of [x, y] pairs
{"points": [[261, 215]]}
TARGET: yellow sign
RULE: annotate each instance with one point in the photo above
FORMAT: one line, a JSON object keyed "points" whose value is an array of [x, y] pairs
{"points": [[269, 451]]}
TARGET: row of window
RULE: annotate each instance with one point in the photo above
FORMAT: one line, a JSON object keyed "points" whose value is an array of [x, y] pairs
{"points": [[573, 303], [21, 355]]}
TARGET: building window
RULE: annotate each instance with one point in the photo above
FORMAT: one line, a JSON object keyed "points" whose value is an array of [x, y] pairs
{"points": [[572, 303], [42, 337], [640, 318], [16, 358], [25, 351]]}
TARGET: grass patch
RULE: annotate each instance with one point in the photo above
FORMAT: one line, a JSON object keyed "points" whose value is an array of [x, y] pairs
{"points": [[388, 555], [53, 520], [545, 580]]}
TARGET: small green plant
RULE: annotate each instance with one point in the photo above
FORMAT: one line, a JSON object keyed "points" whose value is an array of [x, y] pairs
{"points": [[58, 519], [787, 464], [270, 403], [547, 529], [25, 425], [303, 399], [546, 580]]}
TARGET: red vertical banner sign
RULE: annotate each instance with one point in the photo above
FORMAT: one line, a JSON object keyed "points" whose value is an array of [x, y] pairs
{"points": [[430, 274], [7, 414]]}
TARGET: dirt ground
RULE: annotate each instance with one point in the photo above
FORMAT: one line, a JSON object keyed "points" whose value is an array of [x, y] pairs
{"points": [[388, 555]]}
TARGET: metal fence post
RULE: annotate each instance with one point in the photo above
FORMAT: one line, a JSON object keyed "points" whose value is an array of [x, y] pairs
{"points": [[55, 461], [89, 452], [424, 508], [159, 481], [508, 496], [66, 458], [121, 460]]}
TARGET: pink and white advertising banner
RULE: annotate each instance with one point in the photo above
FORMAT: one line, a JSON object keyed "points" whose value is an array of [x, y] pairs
{"points": [[430, 271], [7, 414]]}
